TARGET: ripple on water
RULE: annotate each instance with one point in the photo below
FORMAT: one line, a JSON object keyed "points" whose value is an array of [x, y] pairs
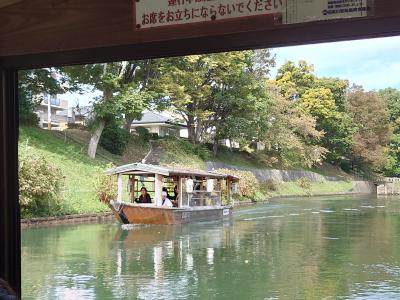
{"points": [[264, 217], [133, 226], [254, 219]]}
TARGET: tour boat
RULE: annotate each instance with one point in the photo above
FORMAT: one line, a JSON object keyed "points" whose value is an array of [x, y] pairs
{"points": [[199, 195]]}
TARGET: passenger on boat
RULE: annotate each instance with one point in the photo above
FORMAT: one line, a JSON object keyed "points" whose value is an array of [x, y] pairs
{"points": [[175, 197], [144, 197], [164, 189], [165, 201]]}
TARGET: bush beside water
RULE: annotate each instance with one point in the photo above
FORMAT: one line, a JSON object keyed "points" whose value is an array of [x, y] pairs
{"points": [[249, 187], [105, 187], [41, 187]]}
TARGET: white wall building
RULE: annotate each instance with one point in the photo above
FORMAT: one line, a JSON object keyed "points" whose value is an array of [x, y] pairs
{"points": [[159, 124]]}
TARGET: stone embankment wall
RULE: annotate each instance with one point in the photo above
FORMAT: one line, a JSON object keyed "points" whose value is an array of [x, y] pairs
{"points": [[390, 186], [273, 174], [70, 219], [360, 187]]}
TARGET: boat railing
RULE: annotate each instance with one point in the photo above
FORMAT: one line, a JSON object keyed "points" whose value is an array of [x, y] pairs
{"points": [[202, 198]]}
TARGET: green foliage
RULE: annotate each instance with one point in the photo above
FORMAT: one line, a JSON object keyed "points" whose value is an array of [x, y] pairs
{"points": [[304, 183], [77, 126], [237, 158], [291, 135], [105, 186], [143, 133], [391, 97], [295, 80], [392, 100], [27, 117], [77, 168], [216, 92], [33, 84], [127, 89], [179, 152], [372, 134], [338, 87], [40, 187], [270, 185], [325, 100], [249, 187], [392, 166], [319, 102], [114, 139]]}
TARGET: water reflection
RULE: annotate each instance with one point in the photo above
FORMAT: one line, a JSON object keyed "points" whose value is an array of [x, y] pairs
{"points": [[289, 249]]}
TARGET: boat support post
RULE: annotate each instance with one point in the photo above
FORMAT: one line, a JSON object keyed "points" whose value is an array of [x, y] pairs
{"points": [[10, 238], [119, 179]]}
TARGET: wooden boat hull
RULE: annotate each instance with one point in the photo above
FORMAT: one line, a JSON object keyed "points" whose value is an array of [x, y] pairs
{"points": [[139, 214]]}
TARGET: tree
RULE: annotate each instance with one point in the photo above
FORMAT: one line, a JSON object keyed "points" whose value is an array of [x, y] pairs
{"points": [[373, 132], [322, 98], [206, 90], [125, 91], [33, 85], [338, 87], [186, 80], [294, 80], [289, 135], [392, 99], [392, 166], [319, 102], [238, 91]]}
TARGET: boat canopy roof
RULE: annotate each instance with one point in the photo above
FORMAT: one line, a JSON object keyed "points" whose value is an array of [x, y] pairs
{"points": [[149, 170]]}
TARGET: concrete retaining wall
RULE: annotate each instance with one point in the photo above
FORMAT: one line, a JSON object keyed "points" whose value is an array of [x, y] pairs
{"points": [[70, 219], [364, 187], [359, 187], [273, 174]]}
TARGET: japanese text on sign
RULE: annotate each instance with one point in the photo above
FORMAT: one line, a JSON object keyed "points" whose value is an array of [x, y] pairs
{"points": [[298, 11], [154, 13]]}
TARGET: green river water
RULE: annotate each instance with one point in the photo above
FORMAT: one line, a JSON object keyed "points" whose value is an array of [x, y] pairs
{"points": [[300, 248]]}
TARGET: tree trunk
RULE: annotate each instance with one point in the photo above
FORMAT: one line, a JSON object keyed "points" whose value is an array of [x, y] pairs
{"points": [[198, 131], [191, 129], [128, 124], [94, 140], [215, 147], [215, 144]]}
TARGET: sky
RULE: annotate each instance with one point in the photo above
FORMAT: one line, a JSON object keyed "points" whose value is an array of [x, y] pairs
{"points": [[372, 63]]}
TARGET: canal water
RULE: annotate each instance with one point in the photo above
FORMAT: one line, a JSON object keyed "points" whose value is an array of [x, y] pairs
{"points": [[309, 248]]}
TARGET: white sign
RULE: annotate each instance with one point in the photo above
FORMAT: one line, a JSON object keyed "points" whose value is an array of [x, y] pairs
{"points": [[299, 11], [155, 13], [226, 212]]}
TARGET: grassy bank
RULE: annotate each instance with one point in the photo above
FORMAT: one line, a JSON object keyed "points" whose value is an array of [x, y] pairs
{"points": [[316, 188], [77, 168]]}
